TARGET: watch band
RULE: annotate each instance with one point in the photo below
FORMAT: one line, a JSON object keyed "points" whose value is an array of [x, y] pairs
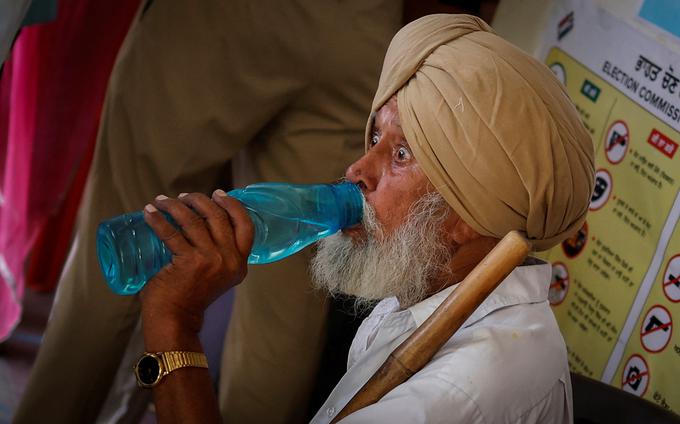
{"points": [[179, 359], [152, 367]]}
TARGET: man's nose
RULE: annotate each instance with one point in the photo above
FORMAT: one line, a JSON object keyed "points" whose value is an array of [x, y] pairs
{"points": [[362, 173]]}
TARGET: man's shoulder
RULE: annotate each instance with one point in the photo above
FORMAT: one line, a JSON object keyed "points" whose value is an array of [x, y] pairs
{"points": [[509, 362]]}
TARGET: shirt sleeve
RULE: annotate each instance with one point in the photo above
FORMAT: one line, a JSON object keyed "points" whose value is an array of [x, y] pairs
{"points": [[421, 400]]}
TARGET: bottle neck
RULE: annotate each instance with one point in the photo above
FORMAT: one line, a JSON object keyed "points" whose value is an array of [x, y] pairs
{"points": [[351, 203]]}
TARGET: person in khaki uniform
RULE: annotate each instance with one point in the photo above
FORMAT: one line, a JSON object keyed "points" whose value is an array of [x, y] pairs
{"points": [[270, 86]]}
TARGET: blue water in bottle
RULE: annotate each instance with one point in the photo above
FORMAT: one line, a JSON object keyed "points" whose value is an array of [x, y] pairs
{"points": [[286, 217]]}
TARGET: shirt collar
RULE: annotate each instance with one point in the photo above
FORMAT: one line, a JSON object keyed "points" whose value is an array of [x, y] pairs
{"points": [[525, 284]]}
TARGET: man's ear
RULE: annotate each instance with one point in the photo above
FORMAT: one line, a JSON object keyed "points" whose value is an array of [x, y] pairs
{"points": [[469, 246], [459, 231]]}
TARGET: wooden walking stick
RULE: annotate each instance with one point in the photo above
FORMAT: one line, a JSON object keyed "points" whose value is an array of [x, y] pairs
{"points": [[417, 350]]}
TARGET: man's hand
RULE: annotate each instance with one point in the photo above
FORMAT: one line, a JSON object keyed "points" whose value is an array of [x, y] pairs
{"points": [[210, 252]]}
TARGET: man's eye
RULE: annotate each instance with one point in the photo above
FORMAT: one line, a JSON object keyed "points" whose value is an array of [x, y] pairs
{"points": [[375, 138], [403, 154]]}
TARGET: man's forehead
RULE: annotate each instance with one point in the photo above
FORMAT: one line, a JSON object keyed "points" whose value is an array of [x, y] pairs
{"points": [[388, 116]]}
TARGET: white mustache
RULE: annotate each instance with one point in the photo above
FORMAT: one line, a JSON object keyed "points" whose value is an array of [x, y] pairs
{"points": [[402, 264]]}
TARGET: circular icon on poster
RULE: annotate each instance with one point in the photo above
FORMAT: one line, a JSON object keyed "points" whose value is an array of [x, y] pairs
{"points": [[616, 142], [635, 377], [602, 190], [559, 284], [657, 329], [559, 72], [671, 279], [574, 245]]}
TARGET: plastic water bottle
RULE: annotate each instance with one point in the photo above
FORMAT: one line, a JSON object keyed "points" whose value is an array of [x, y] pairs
{"points": [[286, 218]]}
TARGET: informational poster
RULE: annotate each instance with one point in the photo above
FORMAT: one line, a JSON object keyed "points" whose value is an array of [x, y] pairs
{"points": [[616, 283]]}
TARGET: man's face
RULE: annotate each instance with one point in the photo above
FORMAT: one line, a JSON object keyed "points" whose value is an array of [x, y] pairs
{"points": [[400, 249], [388, 173]]}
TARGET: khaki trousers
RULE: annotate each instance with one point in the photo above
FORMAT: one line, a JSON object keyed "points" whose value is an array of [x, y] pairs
{"points": [[282, 90]]}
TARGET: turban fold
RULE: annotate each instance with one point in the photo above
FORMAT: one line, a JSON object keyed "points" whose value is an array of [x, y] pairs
{"points": [[491, 128]]}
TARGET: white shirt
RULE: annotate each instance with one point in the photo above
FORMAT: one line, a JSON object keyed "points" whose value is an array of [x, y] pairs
{"points": [[507, 364]]}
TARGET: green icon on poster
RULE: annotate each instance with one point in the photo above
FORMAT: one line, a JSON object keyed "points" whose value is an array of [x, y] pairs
{"points": [[590, 90]]}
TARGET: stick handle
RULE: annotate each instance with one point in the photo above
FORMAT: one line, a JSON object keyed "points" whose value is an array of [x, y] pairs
{"points": [[417, 350]]}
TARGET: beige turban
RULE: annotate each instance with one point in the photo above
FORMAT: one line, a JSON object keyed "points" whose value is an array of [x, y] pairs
{"points": [[491, 127]]}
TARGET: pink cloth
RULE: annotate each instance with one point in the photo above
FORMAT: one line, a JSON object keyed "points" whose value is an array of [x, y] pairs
{"points": [[59, 72], [9, 305]]}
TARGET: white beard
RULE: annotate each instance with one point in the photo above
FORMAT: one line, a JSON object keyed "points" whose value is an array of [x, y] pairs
{"points": [[401, 265]]}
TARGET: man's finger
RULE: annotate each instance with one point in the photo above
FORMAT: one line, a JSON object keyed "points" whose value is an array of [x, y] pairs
{"points": [[193, 226], [217, 219], [242, 224], [165, 231]]}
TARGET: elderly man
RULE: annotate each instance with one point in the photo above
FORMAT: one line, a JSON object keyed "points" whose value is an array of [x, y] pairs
{"points": [[470, 138]]}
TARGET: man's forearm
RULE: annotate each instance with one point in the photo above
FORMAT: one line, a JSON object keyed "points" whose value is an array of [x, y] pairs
{"points": [[209, 257], [186, 394]]}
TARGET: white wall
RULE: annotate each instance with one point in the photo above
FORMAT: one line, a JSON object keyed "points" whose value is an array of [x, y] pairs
{"points": [[522, 21]]}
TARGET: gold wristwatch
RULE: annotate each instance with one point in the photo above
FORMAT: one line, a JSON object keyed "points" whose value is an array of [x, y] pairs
{"points": [[152, 367]]}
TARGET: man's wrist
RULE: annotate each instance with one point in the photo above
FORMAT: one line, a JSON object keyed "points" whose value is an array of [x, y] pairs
{"points": [[165, 331]]}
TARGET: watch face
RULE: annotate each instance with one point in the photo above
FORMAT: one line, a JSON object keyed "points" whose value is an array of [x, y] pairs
{"points": [[148, 370]]}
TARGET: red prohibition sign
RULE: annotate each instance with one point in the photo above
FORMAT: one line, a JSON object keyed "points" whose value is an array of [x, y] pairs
{"points": [[651, 339], [621, 140], [603, 193], [574, 245], [671, 288], [558, 290], [639, 376]]}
